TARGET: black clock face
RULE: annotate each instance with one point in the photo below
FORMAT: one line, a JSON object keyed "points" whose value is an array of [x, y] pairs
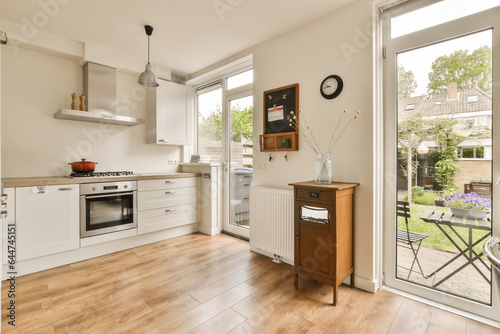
{"points": [[331, 87]]}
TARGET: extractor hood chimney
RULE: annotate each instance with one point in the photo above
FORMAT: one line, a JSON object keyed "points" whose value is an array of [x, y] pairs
{"points": [[99, 89]]}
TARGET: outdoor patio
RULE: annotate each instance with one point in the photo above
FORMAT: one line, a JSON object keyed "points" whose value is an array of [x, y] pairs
{"points": [[467, 283]]}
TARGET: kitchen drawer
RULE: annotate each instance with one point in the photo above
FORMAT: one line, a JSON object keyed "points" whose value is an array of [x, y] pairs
{"points": [[168, 193], [316, 195], [147, 185], [160, 219], [168, 201]]}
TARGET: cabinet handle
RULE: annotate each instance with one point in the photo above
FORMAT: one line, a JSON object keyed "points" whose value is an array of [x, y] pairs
{"points": [[171, 192], [41, 189], [66, 189], [170, 181], [3, 214], [169, 210], [296, 236], [163, 141], [313, 195], [4, 198]]}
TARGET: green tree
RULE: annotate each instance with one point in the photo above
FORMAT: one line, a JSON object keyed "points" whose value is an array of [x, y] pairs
{"points": [[406, 82], [446, 167], [466, 69], [210, 127], [412, 130]]}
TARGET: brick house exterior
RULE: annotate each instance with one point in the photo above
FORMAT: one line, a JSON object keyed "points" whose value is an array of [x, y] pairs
{"points": [[472, 107]]}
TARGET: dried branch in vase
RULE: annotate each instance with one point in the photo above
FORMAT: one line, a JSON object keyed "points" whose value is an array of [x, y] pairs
{"points": [[307, 135]]}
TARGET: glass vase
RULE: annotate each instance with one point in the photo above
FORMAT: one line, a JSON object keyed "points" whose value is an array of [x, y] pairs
{"points": [[323, 169]]}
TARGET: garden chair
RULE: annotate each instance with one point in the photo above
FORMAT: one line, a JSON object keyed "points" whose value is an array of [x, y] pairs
{"points": [[410, 240]]}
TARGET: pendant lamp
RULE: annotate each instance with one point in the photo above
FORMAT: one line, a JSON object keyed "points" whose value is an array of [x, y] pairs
{"points": [[148, 78]]}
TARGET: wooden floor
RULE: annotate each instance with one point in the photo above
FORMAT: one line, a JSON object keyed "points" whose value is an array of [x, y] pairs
{"points": [[201, 284]]}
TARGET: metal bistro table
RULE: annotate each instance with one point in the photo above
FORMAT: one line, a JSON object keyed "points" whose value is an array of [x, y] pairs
{"points": [[440, 219]]}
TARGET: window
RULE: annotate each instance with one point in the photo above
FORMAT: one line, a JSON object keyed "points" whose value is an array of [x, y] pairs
{"points": [[476, 152], [472, 98], [240, 79], [441, 12], [210, 123]]}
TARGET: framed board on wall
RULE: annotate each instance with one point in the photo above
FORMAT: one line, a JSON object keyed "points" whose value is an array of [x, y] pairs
{"points": [[280, 105]]}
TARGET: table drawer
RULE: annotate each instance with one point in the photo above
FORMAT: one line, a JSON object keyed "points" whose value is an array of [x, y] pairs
{"points": [[168, 183], [314, 195]]}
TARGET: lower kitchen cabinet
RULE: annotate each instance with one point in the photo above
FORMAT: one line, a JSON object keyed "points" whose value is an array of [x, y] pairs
{"points": [[167, 203], [47, 220]]}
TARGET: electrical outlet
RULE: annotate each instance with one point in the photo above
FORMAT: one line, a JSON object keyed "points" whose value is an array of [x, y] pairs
{"points": [[172, 162]]}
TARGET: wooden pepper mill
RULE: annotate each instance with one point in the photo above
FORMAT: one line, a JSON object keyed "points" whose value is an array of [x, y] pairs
{"points": [[82, 103], [73, 101]]}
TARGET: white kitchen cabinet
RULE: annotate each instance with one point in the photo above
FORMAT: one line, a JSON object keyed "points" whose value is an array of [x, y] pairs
{"points": [[47, 220], [167, 203], [167, 118], [8, 222]]}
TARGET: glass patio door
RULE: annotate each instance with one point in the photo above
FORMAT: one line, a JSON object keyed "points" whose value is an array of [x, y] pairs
{"points": [[440, 122], [239, 166]]}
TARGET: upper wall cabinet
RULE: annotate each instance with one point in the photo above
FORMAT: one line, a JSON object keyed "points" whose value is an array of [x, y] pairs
{"points": [[167, 119]]}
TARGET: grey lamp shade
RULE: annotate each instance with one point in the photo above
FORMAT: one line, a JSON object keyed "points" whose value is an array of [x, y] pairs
{"points": [[148, 78]]}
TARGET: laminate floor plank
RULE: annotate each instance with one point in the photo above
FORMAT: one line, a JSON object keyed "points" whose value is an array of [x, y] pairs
{"points": [[378, 316], [204, 312], [202, 284], [204, 293], [446, 322], [46, 329], [170, 310], [267, 316], [341, 318], [79, 310], [474, 327], [221, 323], [412, 317], [190, 284]]}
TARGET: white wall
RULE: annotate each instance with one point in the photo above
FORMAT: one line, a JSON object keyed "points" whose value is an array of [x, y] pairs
{"points": [[35, 86], [340, 43], [306, 56]]}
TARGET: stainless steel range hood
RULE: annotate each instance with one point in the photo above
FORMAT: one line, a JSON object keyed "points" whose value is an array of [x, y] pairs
{"points": [[99, 89]]}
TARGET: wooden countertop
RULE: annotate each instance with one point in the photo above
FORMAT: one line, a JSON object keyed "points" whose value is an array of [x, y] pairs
{"points": [[334, 185], [57, 180]]}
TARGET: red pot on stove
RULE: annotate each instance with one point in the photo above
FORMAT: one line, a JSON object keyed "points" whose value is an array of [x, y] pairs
{"points": [[82, 166]]}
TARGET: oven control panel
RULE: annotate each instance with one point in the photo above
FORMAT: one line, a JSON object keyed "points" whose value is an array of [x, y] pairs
{"points": [[107, 187]]}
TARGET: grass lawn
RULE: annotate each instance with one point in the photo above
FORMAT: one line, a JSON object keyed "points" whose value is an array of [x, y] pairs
{"points": [[436, 238]]}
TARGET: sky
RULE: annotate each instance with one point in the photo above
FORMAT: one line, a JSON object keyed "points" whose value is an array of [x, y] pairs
{"points": [[419, 61]]}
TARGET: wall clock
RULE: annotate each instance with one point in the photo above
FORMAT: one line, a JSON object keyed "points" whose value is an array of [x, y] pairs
{"points": [[331, 87]]}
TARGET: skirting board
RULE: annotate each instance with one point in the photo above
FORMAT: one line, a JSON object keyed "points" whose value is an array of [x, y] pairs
{"points": [[56, 260], [359, 282], [209, 231]]}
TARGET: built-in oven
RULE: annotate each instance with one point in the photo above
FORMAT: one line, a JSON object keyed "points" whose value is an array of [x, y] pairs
{"points": [[107, 207]]}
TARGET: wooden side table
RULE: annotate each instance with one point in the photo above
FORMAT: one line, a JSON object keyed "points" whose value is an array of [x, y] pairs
{"points": [[324, 233]]}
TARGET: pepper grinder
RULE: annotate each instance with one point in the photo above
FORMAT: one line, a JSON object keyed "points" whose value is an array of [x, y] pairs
{"points": [[73, 101], [82, 103]]}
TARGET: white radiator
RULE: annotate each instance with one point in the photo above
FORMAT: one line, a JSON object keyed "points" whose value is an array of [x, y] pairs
{"points": [[271, 223]]}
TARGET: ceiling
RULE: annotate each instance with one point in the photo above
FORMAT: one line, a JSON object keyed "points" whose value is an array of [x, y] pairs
{"points": [[188, 34]]}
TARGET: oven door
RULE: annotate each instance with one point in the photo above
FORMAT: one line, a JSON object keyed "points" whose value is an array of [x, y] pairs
{"points": [[107, 213]]}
